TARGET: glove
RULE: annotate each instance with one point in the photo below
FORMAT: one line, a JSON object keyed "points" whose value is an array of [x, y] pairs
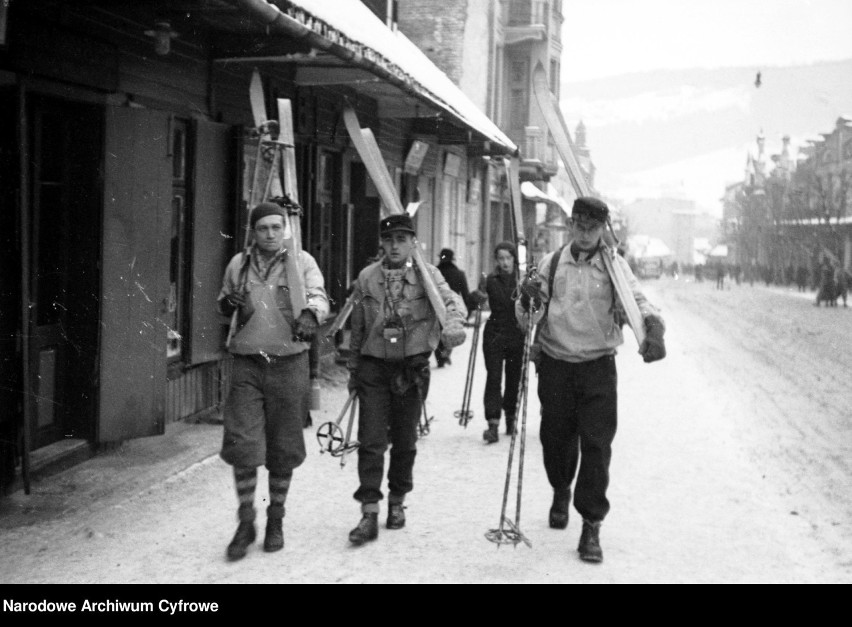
{"points": [[238, 301], [453, 335], [352, 366], [478, 298], [530, 289], [653, 347], [306, 327], [352, 384]]}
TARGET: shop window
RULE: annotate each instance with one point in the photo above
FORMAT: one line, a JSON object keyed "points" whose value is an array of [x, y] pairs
{"points": [[179, 260]]}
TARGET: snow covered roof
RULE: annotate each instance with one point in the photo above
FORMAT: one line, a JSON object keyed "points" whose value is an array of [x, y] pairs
{"points": [[394, 52]]}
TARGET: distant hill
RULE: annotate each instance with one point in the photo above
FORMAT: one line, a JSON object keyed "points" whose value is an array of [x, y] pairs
{"points": [[638, 122]]}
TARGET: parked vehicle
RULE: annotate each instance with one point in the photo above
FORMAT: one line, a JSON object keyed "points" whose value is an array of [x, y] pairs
{"points": [[649, 267]]}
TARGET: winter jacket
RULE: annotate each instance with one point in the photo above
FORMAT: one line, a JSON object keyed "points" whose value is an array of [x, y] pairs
{"points": [[422, 330], [457, 280], [500, 287], [269, 330], [581, 320]]}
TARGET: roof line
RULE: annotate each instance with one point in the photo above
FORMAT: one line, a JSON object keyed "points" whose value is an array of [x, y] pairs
{"points": [[299, 23]]}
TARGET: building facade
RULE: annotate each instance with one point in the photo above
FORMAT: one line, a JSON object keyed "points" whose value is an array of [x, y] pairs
{"points": [[125, 191], [491, 48]]}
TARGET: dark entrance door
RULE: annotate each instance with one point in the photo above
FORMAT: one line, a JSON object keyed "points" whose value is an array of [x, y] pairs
{"points": [[365, 227], [65, 141]]}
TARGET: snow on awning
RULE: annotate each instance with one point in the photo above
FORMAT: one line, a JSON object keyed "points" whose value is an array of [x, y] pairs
{"points": [[395, 53], [532, 192], [560, 201]]}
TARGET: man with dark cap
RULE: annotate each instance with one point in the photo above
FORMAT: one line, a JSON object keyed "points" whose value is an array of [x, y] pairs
{"points": [[576, 374], [457, 280], [270, 390], [394, 331]]}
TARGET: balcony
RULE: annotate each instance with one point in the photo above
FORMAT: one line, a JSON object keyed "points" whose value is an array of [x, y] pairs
{"points": [[527, 22]]}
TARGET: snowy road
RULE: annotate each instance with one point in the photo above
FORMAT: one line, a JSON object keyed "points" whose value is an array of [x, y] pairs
{"points": [[731, 464]]}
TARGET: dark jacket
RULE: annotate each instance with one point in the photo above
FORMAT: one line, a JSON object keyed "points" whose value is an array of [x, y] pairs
{"points": [[502, 321], [457, 280]]}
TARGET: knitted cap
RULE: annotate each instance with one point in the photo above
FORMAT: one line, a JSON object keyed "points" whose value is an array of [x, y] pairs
{"points": [[265, 209]]}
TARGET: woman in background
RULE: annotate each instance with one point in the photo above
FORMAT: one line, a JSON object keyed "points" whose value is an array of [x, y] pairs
{"points": [[503, 343]]}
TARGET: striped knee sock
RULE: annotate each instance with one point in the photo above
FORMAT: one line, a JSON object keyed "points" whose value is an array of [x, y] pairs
{"points": [[246, 482], [279, 484]]}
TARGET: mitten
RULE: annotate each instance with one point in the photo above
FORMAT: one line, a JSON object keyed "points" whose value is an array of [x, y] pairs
{"points": [[306, 326], [478, 297], [653, 347], [453, 335]]}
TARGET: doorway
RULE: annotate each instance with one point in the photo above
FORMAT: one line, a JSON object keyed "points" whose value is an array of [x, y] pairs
{"points": [[65, 142]]}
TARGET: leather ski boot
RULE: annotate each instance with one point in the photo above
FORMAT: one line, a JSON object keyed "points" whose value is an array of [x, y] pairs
{"points": [[367, 529], [558, 517], [396, 516], [490, 435], [245, 535], [510, 424], [590, 543], [274, 538]]}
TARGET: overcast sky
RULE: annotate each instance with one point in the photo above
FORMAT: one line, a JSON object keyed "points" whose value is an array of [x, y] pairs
{"points": [[610, 37], [628, 117]]}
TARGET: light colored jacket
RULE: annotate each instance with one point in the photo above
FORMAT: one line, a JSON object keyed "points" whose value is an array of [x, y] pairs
{"points": [[269, 331], [581, 323], [422, 329]]}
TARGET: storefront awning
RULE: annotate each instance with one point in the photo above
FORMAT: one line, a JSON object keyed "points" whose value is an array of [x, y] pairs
{"points": [[532, 192], [350, 31]]}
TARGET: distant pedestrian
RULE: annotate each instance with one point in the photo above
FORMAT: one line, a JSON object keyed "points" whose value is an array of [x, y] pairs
{"points": [[841, 280], [720, 276], [802, 278], [457, 280], [503, 344], [269, 397], [827, 289], [674, 269]]}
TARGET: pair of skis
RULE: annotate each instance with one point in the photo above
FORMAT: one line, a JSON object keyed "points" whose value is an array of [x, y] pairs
{"points": [[274, 177], [556, 124], [368, 149]]}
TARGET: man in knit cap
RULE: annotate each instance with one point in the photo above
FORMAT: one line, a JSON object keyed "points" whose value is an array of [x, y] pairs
{"points": [[270, 389]]}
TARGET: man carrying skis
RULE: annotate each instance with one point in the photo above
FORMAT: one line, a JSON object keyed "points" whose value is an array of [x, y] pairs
{"points": [[394, 331], [576, 374], [270, 390]]}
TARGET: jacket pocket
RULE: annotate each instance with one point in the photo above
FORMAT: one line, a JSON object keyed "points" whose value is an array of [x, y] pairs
{"points": [[418, 309]]}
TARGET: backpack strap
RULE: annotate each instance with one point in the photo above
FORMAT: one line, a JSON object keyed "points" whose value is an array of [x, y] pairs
{"points": [[551, 275]]}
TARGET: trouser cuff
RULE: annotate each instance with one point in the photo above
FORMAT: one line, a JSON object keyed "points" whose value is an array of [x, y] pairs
{"points": [[396, 499]]}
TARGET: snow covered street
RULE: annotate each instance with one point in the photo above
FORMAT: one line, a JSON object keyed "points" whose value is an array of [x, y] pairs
{"points": [[732, 463]]}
